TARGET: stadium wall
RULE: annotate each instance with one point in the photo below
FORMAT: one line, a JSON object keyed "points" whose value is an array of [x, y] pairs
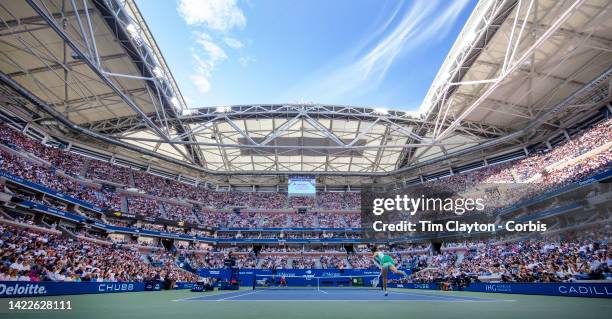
{"points": [[582, 289], [11, 289], [578, 289], [247, 276]]}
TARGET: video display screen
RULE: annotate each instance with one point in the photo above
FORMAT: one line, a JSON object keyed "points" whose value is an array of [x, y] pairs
{"points": [[302, 186]]}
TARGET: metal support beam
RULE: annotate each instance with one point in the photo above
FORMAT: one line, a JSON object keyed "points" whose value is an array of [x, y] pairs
{"points": [[37, 21], [67, 66], [512, 67], [94, 66]]}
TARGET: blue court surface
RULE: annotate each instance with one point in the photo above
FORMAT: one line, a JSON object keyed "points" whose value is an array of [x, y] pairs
{"points": [[334, 295]]}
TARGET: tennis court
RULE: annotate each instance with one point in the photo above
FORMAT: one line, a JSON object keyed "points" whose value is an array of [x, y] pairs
{"points": [[334, 295], [327, 304]]}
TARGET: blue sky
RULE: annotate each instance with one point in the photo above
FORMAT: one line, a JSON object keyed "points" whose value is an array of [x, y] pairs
{"points": [[379, 53]]}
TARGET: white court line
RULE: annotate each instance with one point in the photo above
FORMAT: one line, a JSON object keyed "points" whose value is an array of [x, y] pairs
{"points": [[351, 300], [438, 298], [314, 292], [331, 292], [323, 291], [240, 295], [200, 296]]}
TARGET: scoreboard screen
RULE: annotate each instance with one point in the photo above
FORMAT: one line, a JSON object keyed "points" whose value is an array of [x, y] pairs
{"points": [[303, 185]]}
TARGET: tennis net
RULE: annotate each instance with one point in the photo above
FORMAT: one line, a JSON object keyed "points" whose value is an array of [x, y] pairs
{"points": [[317, 283]]}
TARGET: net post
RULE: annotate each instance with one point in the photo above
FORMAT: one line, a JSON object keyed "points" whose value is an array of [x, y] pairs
{"points": [[254, 281]]}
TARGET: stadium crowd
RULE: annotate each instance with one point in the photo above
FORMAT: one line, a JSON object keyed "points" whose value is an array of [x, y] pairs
{"points": [[543, 170], [538, 260], [47, 177], [32, 255], [109, 173]]}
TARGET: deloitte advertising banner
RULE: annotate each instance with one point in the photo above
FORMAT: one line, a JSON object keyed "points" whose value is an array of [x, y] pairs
{"points": [[595, 290], [11, 289]]}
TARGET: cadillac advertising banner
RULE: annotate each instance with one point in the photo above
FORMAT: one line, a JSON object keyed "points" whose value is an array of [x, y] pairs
{"points": [[582, 289]]}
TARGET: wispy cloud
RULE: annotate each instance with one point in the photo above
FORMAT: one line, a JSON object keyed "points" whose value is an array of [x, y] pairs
{"points": [[424, 21], [233, 43], [214, 52], [219, 15], [208, 55]]}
